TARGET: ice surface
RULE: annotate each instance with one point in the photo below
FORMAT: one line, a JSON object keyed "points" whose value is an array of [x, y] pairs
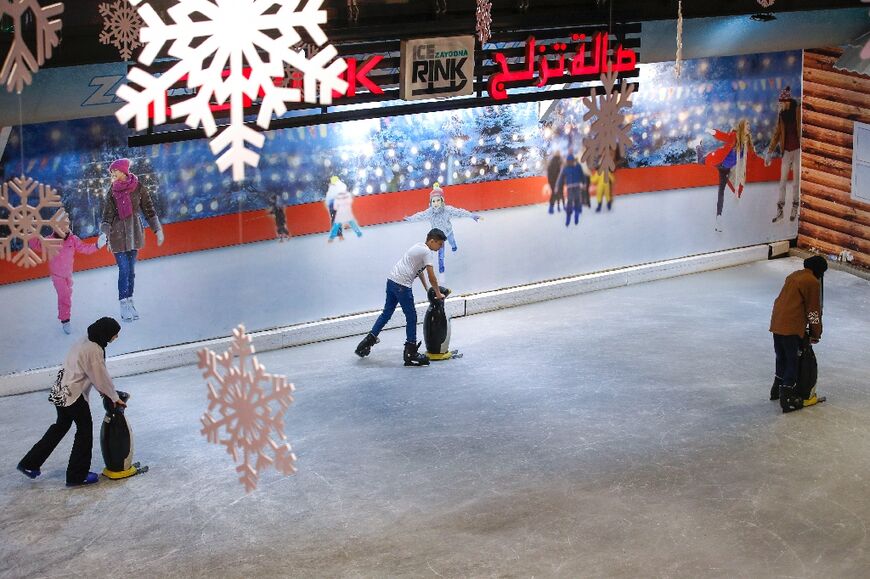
{"points": [[619, 433]]}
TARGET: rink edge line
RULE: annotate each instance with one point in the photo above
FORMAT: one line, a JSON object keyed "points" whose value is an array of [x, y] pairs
{"points": [[359, 324]]}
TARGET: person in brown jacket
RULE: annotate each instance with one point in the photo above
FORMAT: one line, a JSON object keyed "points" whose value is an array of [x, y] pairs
{"points": [[798, 307], [123, 229]]}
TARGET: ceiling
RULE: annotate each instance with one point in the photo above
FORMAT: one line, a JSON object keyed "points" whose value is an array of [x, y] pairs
{"points": [[393, 19]]}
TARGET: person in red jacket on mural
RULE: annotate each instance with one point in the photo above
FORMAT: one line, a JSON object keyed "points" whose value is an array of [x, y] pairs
{"points": [[60, 266], [730, 160]]}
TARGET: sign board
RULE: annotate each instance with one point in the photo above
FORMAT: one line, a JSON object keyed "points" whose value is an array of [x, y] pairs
{"points": [[437, 68]]}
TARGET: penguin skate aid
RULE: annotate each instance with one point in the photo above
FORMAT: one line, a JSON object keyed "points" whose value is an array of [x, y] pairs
{"points": [[417, 260], [436, 328], [796, 324], [116, 441]]}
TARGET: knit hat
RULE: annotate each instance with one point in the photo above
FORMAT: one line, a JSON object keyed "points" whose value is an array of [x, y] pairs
{"points": [[817, 264], [437, 191], [122, 165], [103, 330], [785, 94], [570, 157]]}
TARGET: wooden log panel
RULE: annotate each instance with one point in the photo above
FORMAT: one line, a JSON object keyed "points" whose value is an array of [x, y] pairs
{"points": [[831, 180], [826, 121], [841, 154], [822, 233], [829, 137], [858, 258], [860, 232], [836, 108], [820, 163], [836, 94], [833, 78], [835, 209], [813, 190]]}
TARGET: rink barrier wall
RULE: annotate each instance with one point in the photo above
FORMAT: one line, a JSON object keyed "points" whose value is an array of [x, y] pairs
{"points": [[359, 324], [381, 208]]}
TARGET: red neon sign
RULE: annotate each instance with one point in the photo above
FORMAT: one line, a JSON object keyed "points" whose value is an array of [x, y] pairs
{"points": [[548, 69], [356, 76]]}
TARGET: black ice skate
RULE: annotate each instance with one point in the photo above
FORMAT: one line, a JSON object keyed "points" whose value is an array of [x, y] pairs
{"points": [[365, 347], [774, 390], [413, 357]]}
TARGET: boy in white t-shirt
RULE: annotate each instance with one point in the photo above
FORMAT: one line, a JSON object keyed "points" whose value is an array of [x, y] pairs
{"points": [[419, 258]]}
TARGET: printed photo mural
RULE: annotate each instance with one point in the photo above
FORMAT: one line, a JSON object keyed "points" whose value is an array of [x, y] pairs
{"points": [[186, 253]]}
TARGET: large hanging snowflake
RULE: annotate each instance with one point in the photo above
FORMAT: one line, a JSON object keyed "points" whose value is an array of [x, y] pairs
{"points": [[20, 61], [230, 50], [246, 410], [25, 222], [608, 133], [121, 26]]}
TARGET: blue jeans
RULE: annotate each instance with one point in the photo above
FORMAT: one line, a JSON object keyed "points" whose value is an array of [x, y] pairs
{"points": [[452, 241], [336, 229], [126, 273], [787, 358], [404, 296]]}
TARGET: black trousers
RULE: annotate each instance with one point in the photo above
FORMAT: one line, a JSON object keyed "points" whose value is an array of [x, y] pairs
{"points": [[787, 349], [80, 457], [724, 173]]}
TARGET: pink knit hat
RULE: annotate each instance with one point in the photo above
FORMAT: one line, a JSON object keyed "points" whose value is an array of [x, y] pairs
{"points": [[122, 165], [437, 191], [785, 94]]}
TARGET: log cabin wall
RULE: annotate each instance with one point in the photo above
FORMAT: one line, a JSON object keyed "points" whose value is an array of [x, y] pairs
{"points": [[833, 100]]}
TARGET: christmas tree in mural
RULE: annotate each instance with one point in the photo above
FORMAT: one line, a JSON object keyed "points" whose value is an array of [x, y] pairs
{"points": [[456, 135], [500, 149]]}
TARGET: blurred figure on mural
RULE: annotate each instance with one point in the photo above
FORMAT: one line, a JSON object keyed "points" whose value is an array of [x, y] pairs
{"points": [[122, 229], [60, 266], [335, 185], [277, 211], [786, 136], [439, 214], [576, 184], [554, 167], [343, 206]]}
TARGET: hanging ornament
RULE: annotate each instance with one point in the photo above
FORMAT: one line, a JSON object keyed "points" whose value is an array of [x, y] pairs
{"points": [[248, 414], [484, 20], [25, 222], [20, 62], [121, 24], [608, 133], [230, 52], [678, 67], [865, 52], [766, 3]]}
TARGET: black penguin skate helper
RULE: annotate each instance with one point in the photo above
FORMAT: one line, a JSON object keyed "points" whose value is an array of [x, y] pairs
{"points": [[364, 348], [116, 442], [436, 329], [413, 357], [803, 393]]}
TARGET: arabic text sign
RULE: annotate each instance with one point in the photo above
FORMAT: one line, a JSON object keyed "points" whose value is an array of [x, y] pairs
{"points": [[437, 67], [550, 66]]}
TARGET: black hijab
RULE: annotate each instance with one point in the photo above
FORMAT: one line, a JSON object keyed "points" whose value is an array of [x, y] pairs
{"points": [[817, 264], [103, 330]]}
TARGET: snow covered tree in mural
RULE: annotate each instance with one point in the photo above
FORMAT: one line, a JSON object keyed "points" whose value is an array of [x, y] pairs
{"points": [[457, 143], [500, 148]]}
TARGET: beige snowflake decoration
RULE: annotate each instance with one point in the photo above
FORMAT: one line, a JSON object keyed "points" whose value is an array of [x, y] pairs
{"points": [[608, 133], [26, 223], [121, 24], [20, 62], [248, 415]]}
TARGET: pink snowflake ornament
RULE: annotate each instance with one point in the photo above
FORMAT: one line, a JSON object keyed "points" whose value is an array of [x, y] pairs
{"points": [[609, 132], [20, 62], [121, 24], [26, 222], [251, 406]]}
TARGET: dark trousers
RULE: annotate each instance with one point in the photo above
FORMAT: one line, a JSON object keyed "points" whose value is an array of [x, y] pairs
{"points": [[402, 295], [80, 457], [724, 172], [126, 273], [787, 350], [574, 206]]}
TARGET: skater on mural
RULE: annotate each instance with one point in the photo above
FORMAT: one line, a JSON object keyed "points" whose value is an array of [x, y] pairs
{"points": [[343, 206], [85, 366], [60, 266], [438, 214], [786, 136], [797, 312], [730, 161], [277, 211], [419, 258], [575, 182], [335, 185], [122, 229], [602, 186], [557, 197]]}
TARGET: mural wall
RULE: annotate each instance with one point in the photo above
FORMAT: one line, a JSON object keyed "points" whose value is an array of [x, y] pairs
{"points": [[315, 231]]}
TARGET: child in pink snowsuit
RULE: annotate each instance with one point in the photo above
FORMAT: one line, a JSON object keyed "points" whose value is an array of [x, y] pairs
{"points": [[61, 268]]}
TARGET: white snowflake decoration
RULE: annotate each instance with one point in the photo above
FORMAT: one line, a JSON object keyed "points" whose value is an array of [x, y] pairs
{"points": [[25, 222], [20, 61], [608, 133], [246, 410], [766, 3], [121, 24], [227, 51], [484, 20]]}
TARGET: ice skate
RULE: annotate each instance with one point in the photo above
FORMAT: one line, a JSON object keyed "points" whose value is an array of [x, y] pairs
{"points": [[718, 226], [609, 205], [774, 390], [778, 213], [789, 400], [413, 357], [67, 328], [92, 478], [794, 211], [365, 347], [598, 209], [125, 311], [29, 473], [133, 313]]}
